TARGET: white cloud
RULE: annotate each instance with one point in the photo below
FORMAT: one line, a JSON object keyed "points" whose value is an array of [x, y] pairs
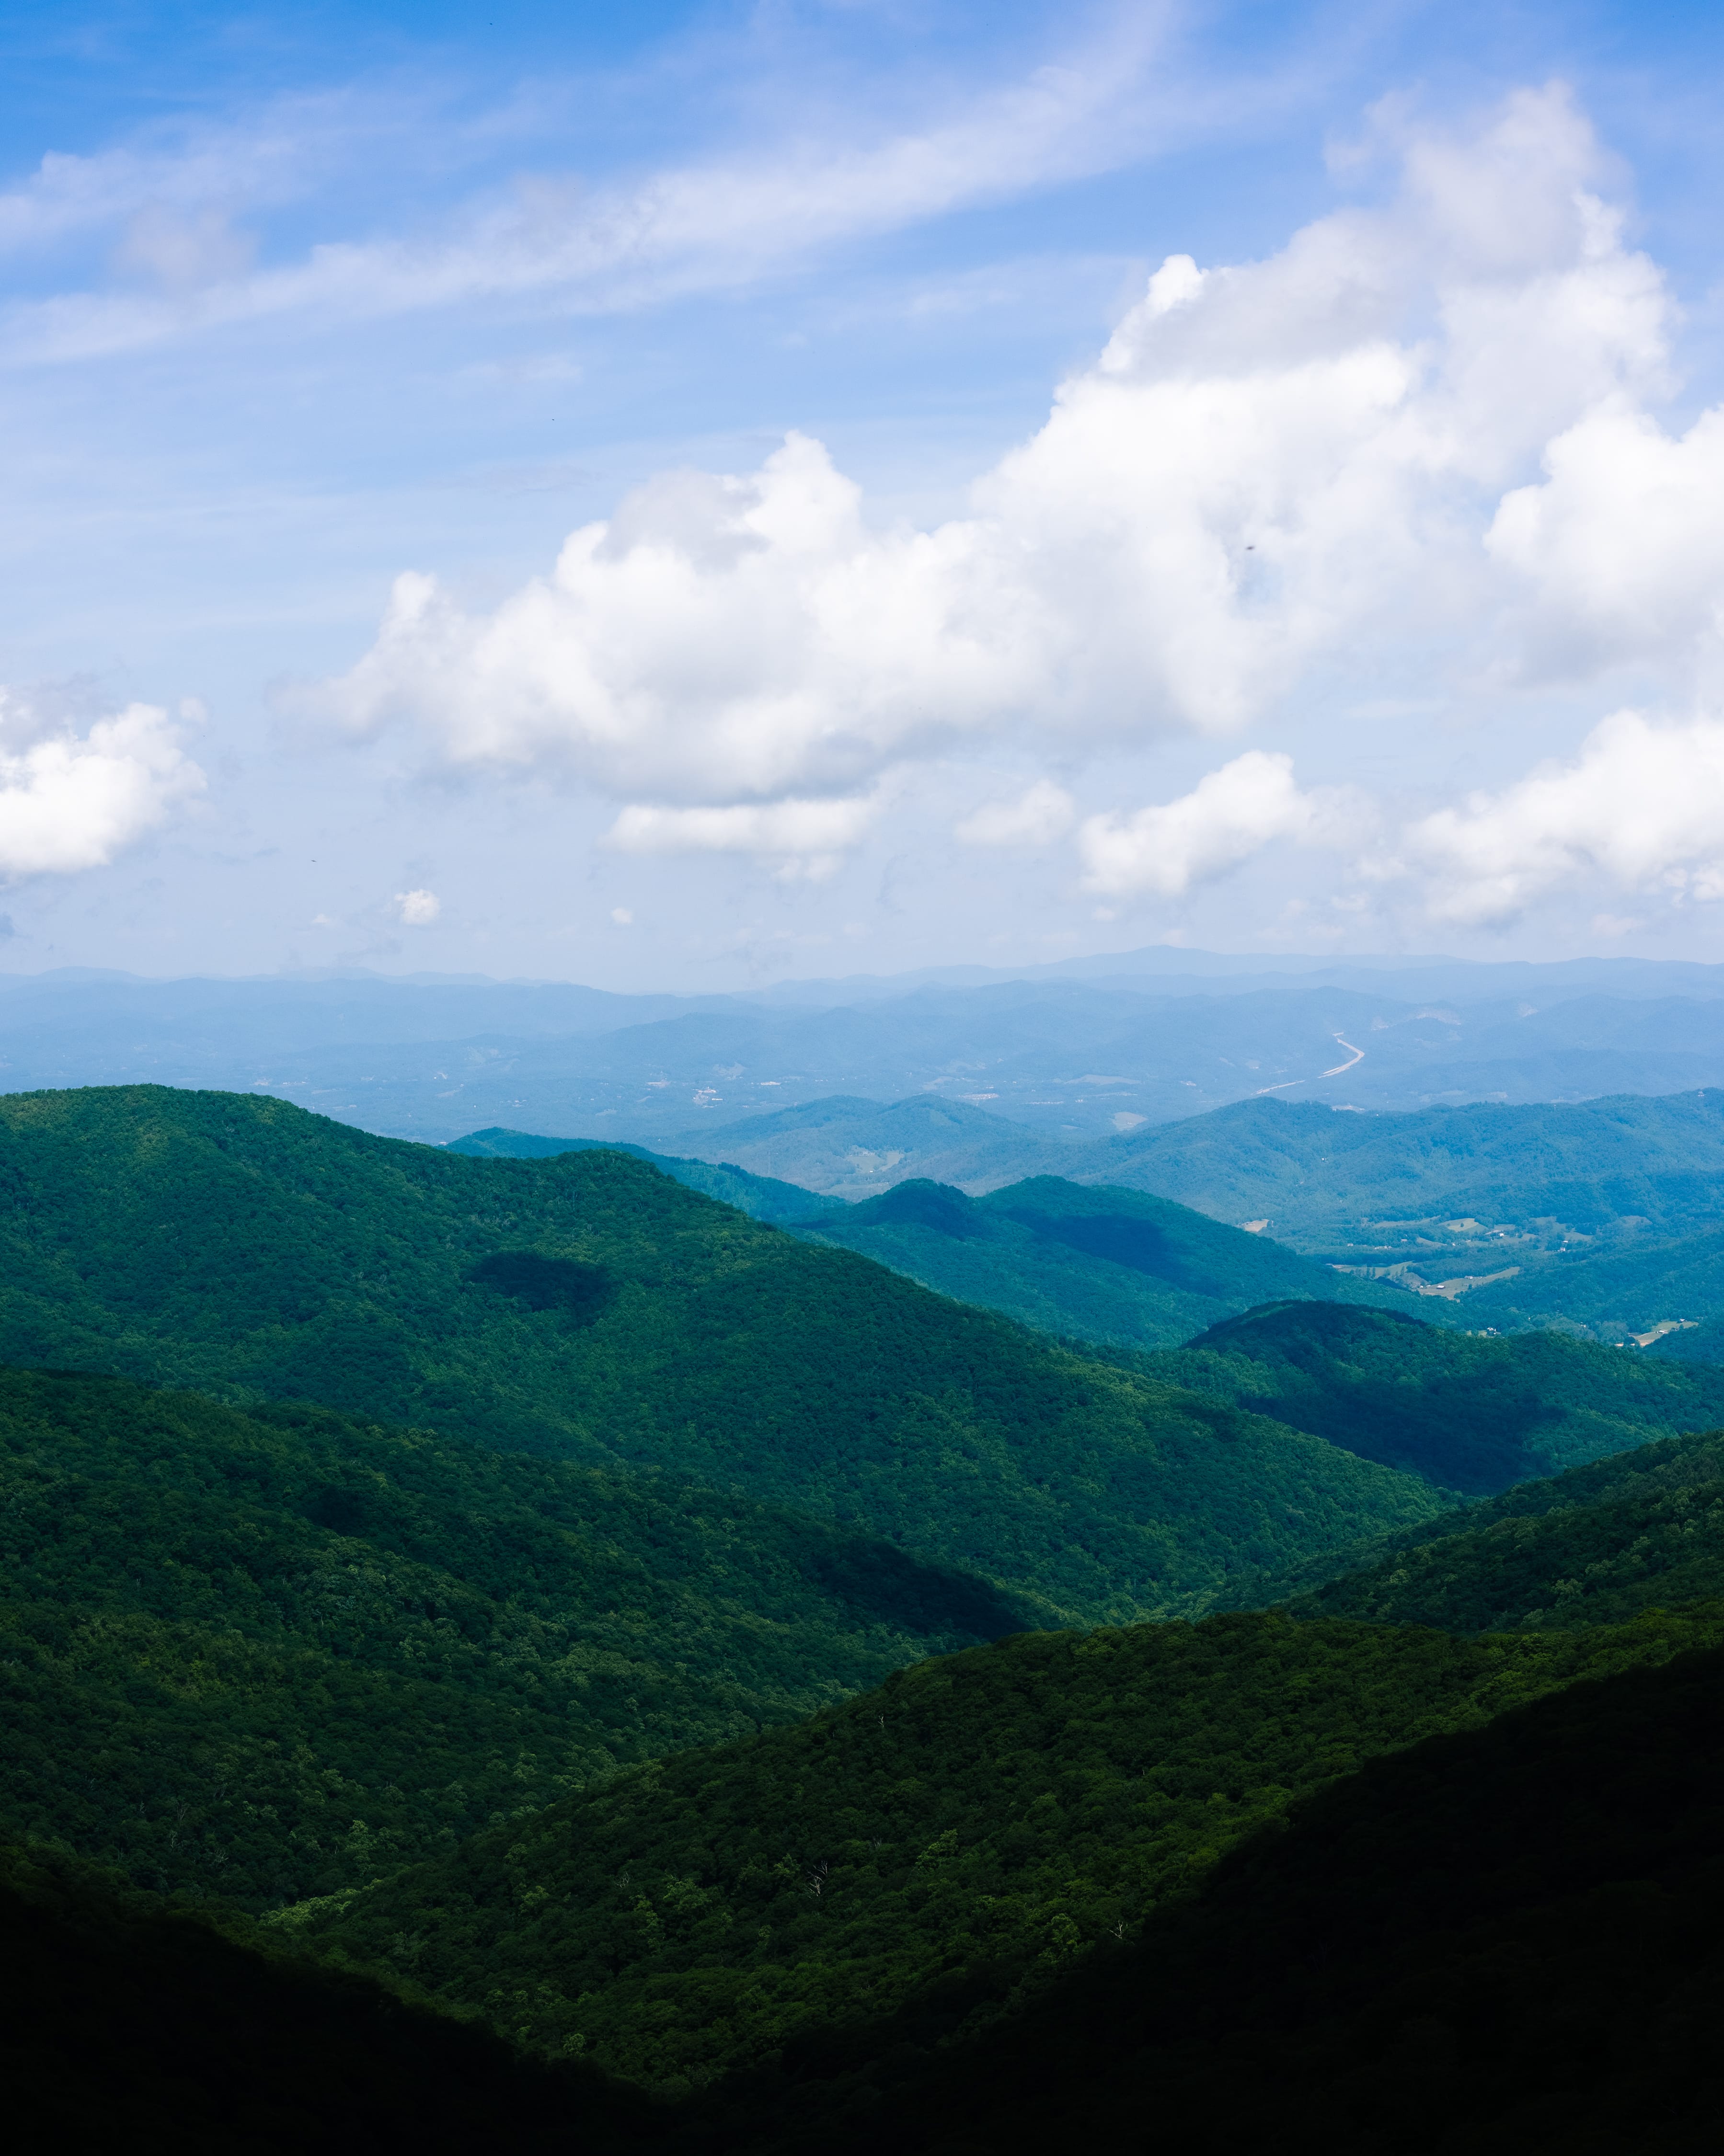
{"points": [[1226, 818], [1641, 805], [1045, 813], [1621, 546], [417, 909], [70, 801], [1273, 468], [806, 839]]}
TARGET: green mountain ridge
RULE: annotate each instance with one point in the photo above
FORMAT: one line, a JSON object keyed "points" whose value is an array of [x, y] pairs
{"points": [[1597, 1545], [1503, 1942], [262, 1656], [589, 1308], [1112, 1267], [981, 1822], [554, 1586], [760, 1196], [1471, 1413], [1596, 1217]]}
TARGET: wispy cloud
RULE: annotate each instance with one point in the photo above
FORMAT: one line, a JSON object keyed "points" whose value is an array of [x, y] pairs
{"points": [[726, 220]]}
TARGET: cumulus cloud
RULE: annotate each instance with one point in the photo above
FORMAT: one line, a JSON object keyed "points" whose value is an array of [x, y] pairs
{"points": [[1275, 472], [1620, 546], [417, 909], [1225, 819], [1043, 813], [1642, 805], [70, 801]]}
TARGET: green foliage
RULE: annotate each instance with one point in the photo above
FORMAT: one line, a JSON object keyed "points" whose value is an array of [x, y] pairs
{"points": [[1116, 1267], [979, 1822], [760, 1196], [1314, 1171], [240, 1247], [1635, 1281], [1469, 1411], [264, 1656], [1504, 1941], [1595, 1547], [126, 2026]]}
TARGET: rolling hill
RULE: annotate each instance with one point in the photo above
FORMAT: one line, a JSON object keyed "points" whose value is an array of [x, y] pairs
{"points": [[1644, 1530], [1595, 1215], [1469, 1412], [849, 1147], [960, 1838], [1503, 1941], [588, 1308], [261, 1657], [760, 1196], [1323, 1178], [1116, 1267]]}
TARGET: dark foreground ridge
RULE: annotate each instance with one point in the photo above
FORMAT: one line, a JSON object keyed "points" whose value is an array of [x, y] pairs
{"points": [[1500, 1943], [128, 2026]]}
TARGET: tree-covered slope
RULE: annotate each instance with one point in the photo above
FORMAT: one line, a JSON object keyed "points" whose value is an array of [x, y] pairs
{"points": [[1116, 1267], [1594, 1547], [976, 1824], [1471, 1413], [1314, 1171], [124, 2025], [264, 1656], [1637, 1280], [1504, 1941], [760, 1196], [588, 1308]]}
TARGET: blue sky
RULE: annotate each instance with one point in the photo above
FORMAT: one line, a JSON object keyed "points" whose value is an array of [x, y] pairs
{"points": [[875, 487]]}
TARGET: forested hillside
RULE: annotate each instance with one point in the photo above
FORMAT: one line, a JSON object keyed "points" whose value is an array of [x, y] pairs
{"points": [[1504, 1941], [967, 1831], [1318, 1174], [760, 1196], [586, 1307], [262, 1656], [1645, 1530], [1116, 1267], [1472, 1413]]}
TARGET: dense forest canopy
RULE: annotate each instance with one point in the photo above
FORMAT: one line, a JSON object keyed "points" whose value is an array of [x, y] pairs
{"points": [[976, 1824], [1595, 1546], [528, 1591], [1111, 1266], [1471, 1412], [263, 1656], [1504, 1941], [240, 1247]]}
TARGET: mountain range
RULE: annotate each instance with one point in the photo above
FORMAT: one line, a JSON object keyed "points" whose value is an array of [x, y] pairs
{"points": [[1592, 1216], [1074, 1052], [758, 1702]]}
